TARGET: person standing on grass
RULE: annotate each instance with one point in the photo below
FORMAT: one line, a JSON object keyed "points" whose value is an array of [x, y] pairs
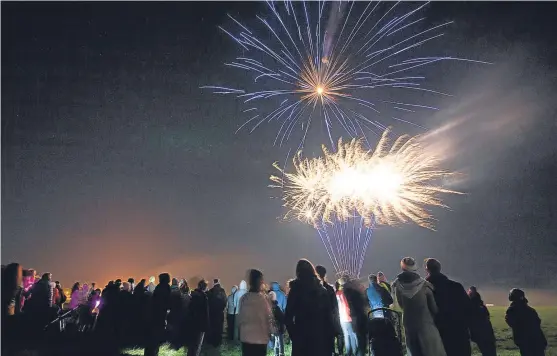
{"points": [[217, 303], [198, 319], [526, 325], [481, 330], [337, 330], [230, 314], [278, 314], [454, 307], [415, 297], [255, 320], [243, 289], [308, 316], [160, 305], [377, 296]]}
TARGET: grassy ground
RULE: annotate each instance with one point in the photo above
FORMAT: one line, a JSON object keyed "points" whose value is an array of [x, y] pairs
{"points": [[505, 345]]}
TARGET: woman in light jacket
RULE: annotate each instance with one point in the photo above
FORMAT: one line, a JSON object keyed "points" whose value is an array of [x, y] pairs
{"points": [[255, 320], [415, 297]]}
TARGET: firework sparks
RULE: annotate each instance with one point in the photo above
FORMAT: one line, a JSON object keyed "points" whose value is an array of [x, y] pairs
{"points": [[395, 183], [312, 64]]}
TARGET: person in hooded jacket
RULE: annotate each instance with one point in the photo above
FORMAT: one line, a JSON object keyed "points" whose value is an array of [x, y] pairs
{"points": [[345, 318], [230, 314], [160, 304], [281, 296], [175, 314], [415, 297], [308, 316], [216, 298], [526, 325], [198, 319], [454, 310], [243, 289], [481, 330], [377, 296]]}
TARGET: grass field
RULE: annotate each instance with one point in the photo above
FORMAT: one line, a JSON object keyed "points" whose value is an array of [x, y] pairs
{"points": [[505, 345]]}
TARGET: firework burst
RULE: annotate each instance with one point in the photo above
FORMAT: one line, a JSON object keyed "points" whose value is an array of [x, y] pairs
{"points": [[333, 60], [395, 183]]}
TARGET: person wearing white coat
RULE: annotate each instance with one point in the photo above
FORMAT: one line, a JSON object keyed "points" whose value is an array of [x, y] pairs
{"points": [[243, 289]]}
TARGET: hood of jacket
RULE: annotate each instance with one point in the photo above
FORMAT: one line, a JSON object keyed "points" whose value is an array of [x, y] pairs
{"points": [[234, 289], [243, 286], [409, 283], [275, 287]]}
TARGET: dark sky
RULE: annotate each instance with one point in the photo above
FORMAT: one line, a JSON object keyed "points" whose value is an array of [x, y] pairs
{"points": [[115, 163]]}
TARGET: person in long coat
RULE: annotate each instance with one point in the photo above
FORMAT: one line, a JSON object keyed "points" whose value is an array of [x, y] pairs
{"points": [[415, 297], [308, 316], [481, 330], [160, 304], [453, 317], [216, 297]]}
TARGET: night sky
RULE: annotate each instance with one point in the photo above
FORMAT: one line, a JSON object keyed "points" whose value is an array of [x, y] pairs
{"points": [[116, 164]]}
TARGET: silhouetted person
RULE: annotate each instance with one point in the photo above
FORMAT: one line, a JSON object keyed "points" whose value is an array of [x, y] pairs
{"points": [[216, 297], [526, 325], [337, 330], [308, 316], [12, 277], [198, 319], [481, 330], [255, 320], [176, 314], [131, 281], [415, 297], [160, 304], [454, 309], [62, 296]]}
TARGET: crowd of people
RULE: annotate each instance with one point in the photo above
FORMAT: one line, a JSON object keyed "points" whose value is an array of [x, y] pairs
{"points": [[440, 318]]}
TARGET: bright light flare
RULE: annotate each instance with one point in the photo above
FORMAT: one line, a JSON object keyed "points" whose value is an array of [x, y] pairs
{"points": [[395, 183]]}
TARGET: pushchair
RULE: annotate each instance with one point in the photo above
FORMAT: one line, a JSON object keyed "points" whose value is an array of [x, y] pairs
{"points": [[385, 333]]}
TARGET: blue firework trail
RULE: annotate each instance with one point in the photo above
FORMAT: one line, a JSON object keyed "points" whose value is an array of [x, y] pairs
{"points": [[346, 242], [330, 60]]}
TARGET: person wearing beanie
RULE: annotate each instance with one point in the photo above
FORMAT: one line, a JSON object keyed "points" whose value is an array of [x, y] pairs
{"points": [[217, 303], [454, 309], [415, 297], [525, 324], [382, 281]]}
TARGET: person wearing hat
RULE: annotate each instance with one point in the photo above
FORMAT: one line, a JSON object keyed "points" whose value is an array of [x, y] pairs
{"points": [[526, 325], [415, 297]]}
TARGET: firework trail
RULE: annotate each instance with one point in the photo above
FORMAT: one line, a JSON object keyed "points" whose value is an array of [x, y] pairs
{"points": [[395, 183], [343, 194], [338, 67]]}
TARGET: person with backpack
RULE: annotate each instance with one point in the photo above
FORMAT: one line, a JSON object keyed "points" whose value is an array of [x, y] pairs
{"points": [[278, 315]]}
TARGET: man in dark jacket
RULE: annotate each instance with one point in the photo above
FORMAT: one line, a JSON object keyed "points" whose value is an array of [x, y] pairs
{"points": [[216, 298], [526, 325], [454, 306], [198, 319], [322, 273], [160, 304]]}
